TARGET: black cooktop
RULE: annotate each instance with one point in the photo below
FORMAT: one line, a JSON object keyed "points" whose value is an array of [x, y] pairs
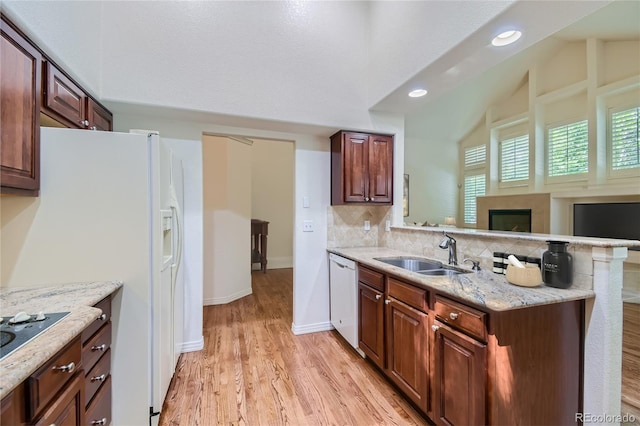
{"points": [[13, 336]]}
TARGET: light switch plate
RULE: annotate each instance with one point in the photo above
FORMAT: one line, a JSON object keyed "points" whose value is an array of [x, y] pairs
{"points": [[387, 226], [367, 225], [305, 202]]}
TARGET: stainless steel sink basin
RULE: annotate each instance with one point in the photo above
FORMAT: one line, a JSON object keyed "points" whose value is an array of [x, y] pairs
{"points": [[442, 272], [411, 263], [422, 266]]}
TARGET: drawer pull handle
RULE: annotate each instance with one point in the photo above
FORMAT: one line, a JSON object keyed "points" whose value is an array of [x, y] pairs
{"points": [[453, 315], [99, 378], [435, 327], [69, 368], [378, 296], [102, 421], [102, 317], [101, 347]]}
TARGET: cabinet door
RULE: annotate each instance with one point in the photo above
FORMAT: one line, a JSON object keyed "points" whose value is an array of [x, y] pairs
{"points": [[20, 82], [64, 99], [355, 167], [459, 378], [407, 351], [371, 323], [98, 117], [68, 408], [380, 185]]}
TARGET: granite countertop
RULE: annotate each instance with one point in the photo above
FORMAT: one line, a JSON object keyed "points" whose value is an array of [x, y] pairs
{"points": [[76, 298], [484, 288]]}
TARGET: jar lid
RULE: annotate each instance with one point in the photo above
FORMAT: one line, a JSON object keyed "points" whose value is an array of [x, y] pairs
{"points": [[557, 242]]}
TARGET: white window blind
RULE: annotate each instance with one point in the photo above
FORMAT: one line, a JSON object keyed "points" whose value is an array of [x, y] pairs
{"points": [[568, 148], [474, 186], [475, 156], [514, 159], [625, 139]]}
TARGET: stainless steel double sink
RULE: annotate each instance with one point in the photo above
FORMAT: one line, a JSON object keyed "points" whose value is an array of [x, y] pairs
{"points": [[421, 265]]}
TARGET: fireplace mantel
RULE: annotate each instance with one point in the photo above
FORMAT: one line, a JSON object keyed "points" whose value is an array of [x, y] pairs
{"points": [[540, 205]]}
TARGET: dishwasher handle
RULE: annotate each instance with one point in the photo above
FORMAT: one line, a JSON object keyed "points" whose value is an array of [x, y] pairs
{"points": [[342, 262]]}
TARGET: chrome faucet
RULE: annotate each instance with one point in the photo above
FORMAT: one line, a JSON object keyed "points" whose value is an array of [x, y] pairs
{"points": [[450, 243]]}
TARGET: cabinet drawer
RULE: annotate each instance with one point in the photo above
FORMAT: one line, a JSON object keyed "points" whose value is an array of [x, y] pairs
{"points": [[409, 294], [94, 348], [462, 317], [371, 278], [49, 379], [99, 410], [97, 376], [105, 306]]}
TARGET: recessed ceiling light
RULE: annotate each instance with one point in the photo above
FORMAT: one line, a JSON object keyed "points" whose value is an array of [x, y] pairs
{"points": [[417, 93], [506, 38]]}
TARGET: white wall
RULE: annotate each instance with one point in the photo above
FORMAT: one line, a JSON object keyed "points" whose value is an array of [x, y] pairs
{"points": [[227, 216], [272, 195]]}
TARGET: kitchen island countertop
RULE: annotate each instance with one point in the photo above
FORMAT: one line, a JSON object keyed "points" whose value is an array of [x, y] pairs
{"points": [[484, 288], [76, 298]]}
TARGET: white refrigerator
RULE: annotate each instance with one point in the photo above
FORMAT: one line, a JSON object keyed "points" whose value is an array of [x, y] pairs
{"points": [[110, 208]]}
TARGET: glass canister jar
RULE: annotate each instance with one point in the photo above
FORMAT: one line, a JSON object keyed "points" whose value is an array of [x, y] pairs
{"points": [[557, 265]]}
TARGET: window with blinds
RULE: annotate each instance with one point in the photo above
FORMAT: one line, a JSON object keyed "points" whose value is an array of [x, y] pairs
{"points": [[625, 139], [568, 149], [474, 186], [514, 159], [475, 156]]}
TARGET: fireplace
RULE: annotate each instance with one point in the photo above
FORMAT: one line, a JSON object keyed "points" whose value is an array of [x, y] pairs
{"points": [[515, 220]]}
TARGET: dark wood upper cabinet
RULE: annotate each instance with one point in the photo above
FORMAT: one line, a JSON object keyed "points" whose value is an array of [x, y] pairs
{"points": [[63, 99], [361, 168], [98, 117], [20, 83], [34, 92]]}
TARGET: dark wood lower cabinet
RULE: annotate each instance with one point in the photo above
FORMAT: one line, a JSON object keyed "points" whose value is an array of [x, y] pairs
{"points": [[459, 378], [371, 323], [407, 351], [68, 407]]}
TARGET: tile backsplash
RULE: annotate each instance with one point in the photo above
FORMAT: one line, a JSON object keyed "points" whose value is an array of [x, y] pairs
{"points": [[346, 225]]}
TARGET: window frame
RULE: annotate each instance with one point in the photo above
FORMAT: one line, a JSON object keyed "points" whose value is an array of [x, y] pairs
{"points": [[624, 173], [574, 177], [464, 196], [474, 169]]}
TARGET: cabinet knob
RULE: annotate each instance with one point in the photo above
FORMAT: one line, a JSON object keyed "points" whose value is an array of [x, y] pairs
{"points": [[378, 296], [84, 123], [366, 198], [93, 128], [435, 327], [373, 199], [99, 378], [387, 301], [102, 421], [101, 347], [69, 368], [102, 317], [453, 315]]}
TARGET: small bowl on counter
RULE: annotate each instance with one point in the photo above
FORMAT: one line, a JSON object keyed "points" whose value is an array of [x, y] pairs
{"points": [[529, 276]]}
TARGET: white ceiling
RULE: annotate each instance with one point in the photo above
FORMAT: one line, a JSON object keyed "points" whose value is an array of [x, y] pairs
{"points": [[450, 114]]}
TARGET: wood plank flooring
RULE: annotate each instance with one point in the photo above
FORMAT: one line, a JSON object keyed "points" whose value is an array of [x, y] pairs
{"points": [[254, 371], [631, 361]]}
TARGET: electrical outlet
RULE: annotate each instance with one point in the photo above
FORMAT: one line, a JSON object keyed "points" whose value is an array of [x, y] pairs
{"points": [[387, 226], [367, 225], [307, 226]]}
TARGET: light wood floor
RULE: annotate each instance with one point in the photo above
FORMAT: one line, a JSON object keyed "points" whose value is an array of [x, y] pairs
{"points": [[254, 371], [631, 361]]}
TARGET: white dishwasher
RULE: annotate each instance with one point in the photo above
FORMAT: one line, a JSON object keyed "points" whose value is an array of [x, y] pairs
{"points": [[343, 284]]}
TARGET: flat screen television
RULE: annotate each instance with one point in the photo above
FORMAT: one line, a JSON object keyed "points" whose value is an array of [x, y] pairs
{"points": [[607, 220]]}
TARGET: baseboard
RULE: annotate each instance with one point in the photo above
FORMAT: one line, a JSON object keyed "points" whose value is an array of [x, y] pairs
{"points": [[311, 328], [193, 346], [227, 299]]}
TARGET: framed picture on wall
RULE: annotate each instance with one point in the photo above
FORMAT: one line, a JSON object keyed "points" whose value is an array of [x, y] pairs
{"points": [[405, 196]]}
